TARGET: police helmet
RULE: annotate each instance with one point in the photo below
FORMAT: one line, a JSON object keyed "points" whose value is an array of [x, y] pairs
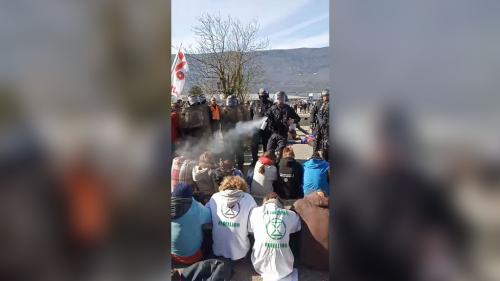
{"points": [[263, 93], [203, 99], [325, 92], [231, 100], [192, 100], [280, 94]]}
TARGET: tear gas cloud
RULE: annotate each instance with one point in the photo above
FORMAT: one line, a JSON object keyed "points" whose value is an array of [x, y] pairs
{"points": [[217, 145]]}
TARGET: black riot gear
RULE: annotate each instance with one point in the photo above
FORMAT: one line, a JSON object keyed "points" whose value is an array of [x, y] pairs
{"points": [[231, 114], [280, 117], [231, 101], [280, 94], [320, 122], [194, 120], [193, 100], [263, 94], [258, 109], [203, 99]]}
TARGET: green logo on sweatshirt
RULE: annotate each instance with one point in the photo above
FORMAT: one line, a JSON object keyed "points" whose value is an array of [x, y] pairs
{"points": [[276, 228], [230, 212]]}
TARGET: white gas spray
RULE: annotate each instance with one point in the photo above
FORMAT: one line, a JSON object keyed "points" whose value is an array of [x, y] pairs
{"points": [[218, 145]]}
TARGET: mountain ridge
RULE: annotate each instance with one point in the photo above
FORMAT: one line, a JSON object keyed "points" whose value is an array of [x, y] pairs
{"points": [[301, 70]]}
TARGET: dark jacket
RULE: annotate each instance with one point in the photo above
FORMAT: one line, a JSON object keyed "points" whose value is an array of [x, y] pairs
{"points": [[291, 174], [231, 115], [259, 108], [320, 115], [278, 118], [179, 206], [314, 214]]}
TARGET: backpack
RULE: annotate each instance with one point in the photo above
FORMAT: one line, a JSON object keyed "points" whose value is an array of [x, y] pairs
{"points": [[193, 117]]}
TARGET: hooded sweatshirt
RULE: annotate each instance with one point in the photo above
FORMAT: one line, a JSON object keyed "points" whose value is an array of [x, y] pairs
{"points": [[262, 184], [272, 225], [186, 228], [204, 179], [316, 176], [230, 210], [179, 206], [314, 213]]}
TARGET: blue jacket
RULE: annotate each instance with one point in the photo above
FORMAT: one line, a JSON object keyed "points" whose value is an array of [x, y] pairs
{"points": [[186, 230], [315, 176]]}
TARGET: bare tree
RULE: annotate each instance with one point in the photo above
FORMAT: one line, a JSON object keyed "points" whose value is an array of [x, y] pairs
{"points": [[224, 60]]}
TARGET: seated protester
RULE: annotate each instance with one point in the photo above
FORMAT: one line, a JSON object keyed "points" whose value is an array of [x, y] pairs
{"points": [[313, 239], [182, 171], [226, 169], [291, 174], [316, 175], [265, 174], [175, 171], [204, 177], [188, 216], [186, 173], [230, 208], [272, 225]]}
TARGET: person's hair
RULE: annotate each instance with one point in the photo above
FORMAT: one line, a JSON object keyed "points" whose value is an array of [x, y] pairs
{"points": [[205, 160], [233, 182], [288, 152], [272, 195], [270, 155], [229, 161], [316, 155]]}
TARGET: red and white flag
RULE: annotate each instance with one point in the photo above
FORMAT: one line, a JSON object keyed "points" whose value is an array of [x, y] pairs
{"points": [[179, 70]]}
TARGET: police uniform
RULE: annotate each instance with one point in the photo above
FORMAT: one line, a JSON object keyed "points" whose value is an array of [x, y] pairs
{"points": [[320, 121], [258, 109], [230, 115], [195, 120], [278, 117]]}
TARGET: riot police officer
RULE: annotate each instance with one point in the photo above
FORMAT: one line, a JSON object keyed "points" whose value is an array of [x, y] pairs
{"points": [[232, 113], [195, 119], [279, 118], [319, 123], [206, 106], [258, 109]]}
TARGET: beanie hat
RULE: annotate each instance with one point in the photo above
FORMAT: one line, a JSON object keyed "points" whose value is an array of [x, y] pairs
{"points": [[182, 190]]}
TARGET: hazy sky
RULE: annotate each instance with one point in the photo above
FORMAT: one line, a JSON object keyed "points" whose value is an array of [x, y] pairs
{"points": [[287, 24]]}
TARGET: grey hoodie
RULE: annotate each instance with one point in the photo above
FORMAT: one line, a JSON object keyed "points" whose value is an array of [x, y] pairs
{"points": [[232, 196]]}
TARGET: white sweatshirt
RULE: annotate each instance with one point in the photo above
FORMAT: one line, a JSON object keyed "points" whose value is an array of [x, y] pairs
{"points": [[271, 254], [229, 224]]}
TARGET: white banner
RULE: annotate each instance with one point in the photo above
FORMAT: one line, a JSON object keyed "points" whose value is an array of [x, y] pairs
{"points": [[179, 71]]}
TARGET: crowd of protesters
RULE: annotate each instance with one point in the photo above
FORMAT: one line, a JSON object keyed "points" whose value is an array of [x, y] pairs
{"points": [[218, 197], [216, 220]]}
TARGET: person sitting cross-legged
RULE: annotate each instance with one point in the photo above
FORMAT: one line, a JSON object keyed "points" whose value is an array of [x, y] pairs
{"points": [[188, 216], [272, 225], [230, 208], [316, 172]]}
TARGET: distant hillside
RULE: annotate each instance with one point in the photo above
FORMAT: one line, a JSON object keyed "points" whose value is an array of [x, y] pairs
{"points": [[294, 71]]}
